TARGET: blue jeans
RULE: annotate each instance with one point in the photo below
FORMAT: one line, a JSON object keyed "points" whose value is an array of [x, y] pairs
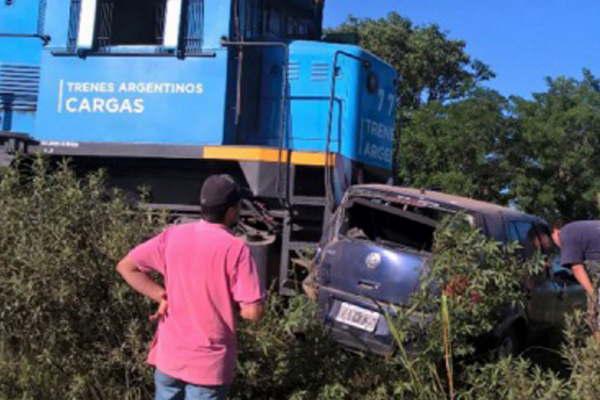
{"points": [[169, 388]]}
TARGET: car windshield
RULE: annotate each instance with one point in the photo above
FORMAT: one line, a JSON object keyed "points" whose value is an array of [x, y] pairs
{"points": [[391, 224]]}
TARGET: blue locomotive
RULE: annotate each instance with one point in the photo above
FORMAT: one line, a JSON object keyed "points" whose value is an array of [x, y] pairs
{"points": [[162, 93]]}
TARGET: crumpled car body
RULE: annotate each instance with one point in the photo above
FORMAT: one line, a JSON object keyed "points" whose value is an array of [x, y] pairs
{"points": [[375, 250]]}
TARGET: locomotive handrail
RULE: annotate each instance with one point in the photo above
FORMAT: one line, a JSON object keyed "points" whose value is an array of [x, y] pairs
{"points": [[367, 64], [44, 38]]}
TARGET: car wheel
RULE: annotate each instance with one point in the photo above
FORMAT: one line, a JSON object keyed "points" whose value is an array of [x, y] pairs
{"points": [[510, 343]]}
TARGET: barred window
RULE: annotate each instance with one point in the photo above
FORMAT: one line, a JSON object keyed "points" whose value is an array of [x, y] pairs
{"points": [[99, 25], [278, 19], [193, 26], [130, 22]]}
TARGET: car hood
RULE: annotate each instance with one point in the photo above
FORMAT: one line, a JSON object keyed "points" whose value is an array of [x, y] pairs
{"points": [[365, 268]]}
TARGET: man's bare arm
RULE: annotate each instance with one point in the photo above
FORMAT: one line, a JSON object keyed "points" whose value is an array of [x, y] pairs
{"points": [[139, 280], [582, 277], [252, 312]]}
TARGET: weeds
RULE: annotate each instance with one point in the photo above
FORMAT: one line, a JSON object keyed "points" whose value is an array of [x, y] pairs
{"points": [[70, 329]]}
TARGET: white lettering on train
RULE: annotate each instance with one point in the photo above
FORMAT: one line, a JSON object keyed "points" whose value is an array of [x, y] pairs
{"points": [[101, 105], [377, 140], [93, 97]]}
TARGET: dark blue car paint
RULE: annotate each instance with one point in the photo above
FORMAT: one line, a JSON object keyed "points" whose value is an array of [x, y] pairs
{"points": [[393, 280], [345, 277]]}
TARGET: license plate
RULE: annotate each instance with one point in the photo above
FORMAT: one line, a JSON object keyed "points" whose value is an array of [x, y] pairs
{"points": [[357, 317]]}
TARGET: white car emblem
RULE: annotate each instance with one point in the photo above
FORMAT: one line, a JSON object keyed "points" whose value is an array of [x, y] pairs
{"points": [[373, 260]]}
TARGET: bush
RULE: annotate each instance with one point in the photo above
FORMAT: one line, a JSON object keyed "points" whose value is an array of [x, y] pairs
{"points": [[68, 327], [289, 356], [71, 329]]}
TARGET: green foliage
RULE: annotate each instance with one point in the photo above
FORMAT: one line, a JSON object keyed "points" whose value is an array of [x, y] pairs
{"points": [[287, 355], [512, 379], [556, 172], [461, 147], [582, 353], [68, 327], [519, 379], [432, 67], [540, 154], [482, 278], [471, 284]]}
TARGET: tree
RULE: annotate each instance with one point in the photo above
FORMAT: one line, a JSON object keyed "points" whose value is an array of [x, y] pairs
{"points": [[542, 155], [558, 172], [462, 147], [431, 66]]}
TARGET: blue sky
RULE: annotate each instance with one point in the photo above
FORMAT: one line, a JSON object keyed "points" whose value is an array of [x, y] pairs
{"points": [[523, 41]]}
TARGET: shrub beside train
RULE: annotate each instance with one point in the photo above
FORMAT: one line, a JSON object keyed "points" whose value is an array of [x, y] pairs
{"points": [[162, 93]]}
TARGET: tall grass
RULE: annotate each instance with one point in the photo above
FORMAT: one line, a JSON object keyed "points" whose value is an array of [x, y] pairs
{"points": [[71, 329]]}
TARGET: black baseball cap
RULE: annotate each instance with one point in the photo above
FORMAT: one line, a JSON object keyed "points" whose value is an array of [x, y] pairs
{"points": [[220, 191]]}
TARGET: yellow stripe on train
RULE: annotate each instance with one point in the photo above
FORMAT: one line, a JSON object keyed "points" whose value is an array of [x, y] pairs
{"points": [[266, 154]]}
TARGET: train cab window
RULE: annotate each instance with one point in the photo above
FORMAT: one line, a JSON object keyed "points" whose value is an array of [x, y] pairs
{"points": [[136, 25], [276, 19], [130, 22]]}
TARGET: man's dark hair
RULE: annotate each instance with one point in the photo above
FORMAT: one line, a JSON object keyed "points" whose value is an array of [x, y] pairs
{"points": [[558, 223]]}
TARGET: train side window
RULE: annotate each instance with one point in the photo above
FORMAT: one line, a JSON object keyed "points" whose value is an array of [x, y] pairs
{"points": [[130, 22], [281, 19], [103, 24], [252, 16]]}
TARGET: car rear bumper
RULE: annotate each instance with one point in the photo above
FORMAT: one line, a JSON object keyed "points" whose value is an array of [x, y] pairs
{"points": [[380, 341]]}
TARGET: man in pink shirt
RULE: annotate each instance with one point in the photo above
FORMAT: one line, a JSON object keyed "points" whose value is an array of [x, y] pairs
{"points": [[209, 277]]}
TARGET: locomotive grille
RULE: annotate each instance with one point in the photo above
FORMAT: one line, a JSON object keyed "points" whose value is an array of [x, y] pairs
{"points": [[19, 87], [293, 70], [319, 71]]}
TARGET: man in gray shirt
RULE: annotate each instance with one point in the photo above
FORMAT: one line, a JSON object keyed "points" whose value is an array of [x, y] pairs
{"points": [[579, 244]]}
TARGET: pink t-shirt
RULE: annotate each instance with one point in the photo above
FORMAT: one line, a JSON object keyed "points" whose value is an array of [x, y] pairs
{"points": [[206, 272]]}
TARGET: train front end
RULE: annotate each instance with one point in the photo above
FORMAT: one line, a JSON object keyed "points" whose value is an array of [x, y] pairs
{"points": [[162, 93]]}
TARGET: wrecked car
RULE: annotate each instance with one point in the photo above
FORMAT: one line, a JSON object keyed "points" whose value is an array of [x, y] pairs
{"points": [[376, 247]]}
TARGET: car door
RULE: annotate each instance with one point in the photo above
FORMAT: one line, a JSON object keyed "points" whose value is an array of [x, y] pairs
{"points": [[557, 293], [542, 302], [569, 293], [542, 292]]}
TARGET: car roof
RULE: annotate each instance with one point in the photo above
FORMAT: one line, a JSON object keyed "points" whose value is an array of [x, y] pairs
{"points": [[445, 200]]}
